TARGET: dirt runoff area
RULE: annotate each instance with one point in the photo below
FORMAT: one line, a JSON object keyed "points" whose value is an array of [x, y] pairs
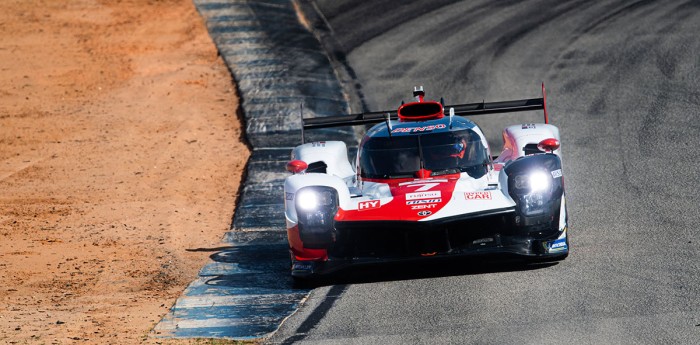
{"points": [[121, 156]]}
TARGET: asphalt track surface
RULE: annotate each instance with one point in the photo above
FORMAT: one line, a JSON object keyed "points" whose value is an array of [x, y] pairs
{"points": [[624, 88]]}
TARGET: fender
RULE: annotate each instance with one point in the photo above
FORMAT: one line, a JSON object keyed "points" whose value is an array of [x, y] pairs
{"points": [[329, 157], [521, 140]]}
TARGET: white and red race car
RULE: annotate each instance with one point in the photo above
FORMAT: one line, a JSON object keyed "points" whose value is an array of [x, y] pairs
{"points": [[424, 184]]}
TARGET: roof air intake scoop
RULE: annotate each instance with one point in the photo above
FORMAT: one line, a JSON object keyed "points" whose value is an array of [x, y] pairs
{"points": [[421, 111]]}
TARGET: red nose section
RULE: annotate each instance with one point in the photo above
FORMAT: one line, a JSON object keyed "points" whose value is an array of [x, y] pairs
{"points": [[424, 173], [421, 111], [548, 145], [297, 166]]}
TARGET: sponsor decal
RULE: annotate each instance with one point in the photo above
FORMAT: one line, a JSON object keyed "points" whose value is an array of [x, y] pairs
{"points": [[418, 129], [303, 266], [424, 201], [424, 213], [556, 173], [368, 205], [318, 144], [557, 246], [289, 196], [422, 207], [421, 182], [483, 241], [423, 195], [477, 195], [528, 126], [423, 204]]}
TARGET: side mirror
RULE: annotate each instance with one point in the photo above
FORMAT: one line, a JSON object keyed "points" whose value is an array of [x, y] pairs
{"points": [[297, 166], [548, 145]]}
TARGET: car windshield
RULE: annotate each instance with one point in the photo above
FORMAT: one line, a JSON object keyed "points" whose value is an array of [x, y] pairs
{"points": [[439, 153]]}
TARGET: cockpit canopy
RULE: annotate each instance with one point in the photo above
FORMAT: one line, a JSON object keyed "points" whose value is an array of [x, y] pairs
{"points": [[438, 153]]}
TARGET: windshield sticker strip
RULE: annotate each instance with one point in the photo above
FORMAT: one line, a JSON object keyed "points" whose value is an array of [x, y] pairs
{"points": [[421, 182], [418, 129]]}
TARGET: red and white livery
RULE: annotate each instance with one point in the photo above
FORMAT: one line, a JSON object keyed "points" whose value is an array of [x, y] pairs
{"points": [[424, 184]]}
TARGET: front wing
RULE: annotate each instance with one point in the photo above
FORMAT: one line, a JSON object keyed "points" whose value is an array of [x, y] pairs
{"points": [[489, 232]]}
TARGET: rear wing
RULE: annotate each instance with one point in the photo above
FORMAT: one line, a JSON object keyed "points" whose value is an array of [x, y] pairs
{"points": [[469, 109]]}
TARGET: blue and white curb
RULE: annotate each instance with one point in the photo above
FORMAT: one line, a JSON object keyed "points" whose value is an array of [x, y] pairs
{"points": [[246, 291]]}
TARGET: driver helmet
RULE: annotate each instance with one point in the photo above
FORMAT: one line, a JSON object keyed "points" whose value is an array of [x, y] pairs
{"points": [[459, 148]]}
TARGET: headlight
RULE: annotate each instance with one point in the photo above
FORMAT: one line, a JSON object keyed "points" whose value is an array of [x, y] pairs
{"points": [[310, 199], [316, 207], [307, 200], [532, 191], [536, 181], [535, 184], [533, 204], [539, 181]]}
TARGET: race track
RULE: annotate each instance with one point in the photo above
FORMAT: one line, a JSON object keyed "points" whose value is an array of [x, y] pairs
{"points": [[624, 88]]}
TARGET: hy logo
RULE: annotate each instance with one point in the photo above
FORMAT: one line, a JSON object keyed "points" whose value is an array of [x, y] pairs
{"points": [[368, 205]]}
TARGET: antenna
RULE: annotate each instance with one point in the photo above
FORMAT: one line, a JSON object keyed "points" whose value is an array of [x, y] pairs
{"points": [[544, 104], [452, 114], [301, 118], [387, 117]]}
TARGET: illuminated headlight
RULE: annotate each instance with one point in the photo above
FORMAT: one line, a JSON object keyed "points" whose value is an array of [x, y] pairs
{"points": [[539, 181], [535, 184], [309, 199], [316, 208], [536, 181]]}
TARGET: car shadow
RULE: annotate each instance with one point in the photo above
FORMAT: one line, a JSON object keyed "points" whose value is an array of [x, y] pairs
{"points": [[258, 268], [425, 269], [265, 268]]}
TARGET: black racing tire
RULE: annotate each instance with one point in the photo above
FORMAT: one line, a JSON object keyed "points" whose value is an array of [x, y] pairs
{"points": [[308, 282]]}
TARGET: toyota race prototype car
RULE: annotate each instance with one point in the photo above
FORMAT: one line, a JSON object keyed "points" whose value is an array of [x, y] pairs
{"points": [[424, 184]]}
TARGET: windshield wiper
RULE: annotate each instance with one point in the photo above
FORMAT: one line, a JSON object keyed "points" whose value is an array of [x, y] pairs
{"points": [[399, 176], [420, 153]]}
